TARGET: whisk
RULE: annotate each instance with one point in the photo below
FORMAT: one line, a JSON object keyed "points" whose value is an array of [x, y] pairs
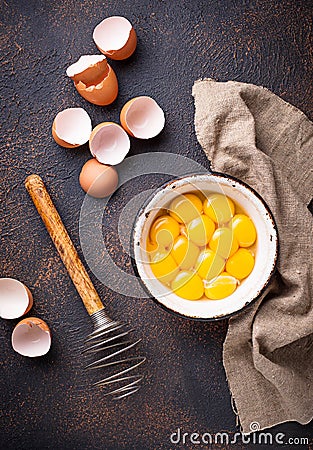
{"points": [[109, 338]]}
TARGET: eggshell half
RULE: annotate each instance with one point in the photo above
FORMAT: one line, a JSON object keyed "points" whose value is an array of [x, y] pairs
{"points": [[142, 117], [90, 69], [98, 180], [109, 143], [31, 337], [71, 127], [15, 298], [115, 37], [94, 79]]}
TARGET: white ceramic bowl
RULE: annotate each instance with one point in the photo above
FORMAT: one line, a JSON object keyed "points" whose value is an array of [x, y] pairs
{"points": [[265, 254]]}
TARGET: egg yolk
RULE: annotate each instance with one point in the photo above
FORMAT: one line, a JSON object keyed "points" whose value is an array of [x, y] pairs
{"points": [[244, 230], [219, 208], [188, 285], [209, 264], [221, 287], [200, 230], [183, 230], [151, 246], [185, 208], [200, 246], [240, 265], [164, 231], [185, 253], [223, 242], [164, 267]]}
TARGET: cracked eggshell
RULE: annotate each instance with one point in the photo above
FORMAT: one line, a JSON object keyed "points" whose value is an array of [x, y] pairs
{"points": [[71, 127], [115, 37], [109, 143], [142, 117], [94, 79], [15, 298], [31, 337], [89, 69]]}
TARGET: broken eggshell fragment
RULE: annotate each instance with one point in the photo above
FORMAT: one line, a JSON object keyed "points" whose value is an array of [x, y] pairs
{"points": [[15, 298], [115, 37], [31, 337], [94, 79], [109, 143], [142, 117], [71, 127]]}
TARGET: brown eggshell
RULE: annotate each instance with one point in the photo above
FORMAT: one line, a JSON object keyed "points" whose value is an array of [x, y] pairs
{"points": [[30, 298], [123, 116], [109, 143], [15, 298], [31, 337], [71, 127], [35, 320], [93, 74], [98, 180], [102, 94], [60, 141], [127, 49], [142, 117]]}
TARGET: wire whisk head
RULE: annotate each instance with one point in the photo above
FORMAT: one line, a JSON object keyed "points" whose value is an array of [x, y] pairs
{"points": [[110, 342]]}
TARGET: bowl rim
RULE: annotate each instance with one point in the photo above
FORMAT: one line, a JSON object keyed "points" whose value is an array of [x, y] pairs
{"points": [[247, 304]]}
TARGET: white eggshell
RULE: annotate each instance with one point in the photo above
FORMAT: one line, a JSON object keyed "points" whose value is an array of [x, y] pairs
{"points": [[73, 125], [142, 117], [31, 337], [115, 37], [109, 143], [15, 298], [85, 62]]}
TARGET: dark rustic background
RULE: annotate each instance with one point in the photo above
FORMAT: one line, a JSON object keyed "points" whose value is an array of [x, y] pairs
{"points": [[47, 402]]}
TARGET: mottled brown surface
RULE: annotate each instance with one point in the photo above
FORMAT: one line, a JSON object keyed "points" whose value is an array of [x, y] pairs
{"points": [[47, 402]]}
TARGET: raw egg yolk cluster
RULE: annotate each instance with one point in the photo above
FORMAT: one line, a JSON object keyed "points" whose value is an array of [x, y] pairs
{"points": [[201, 249]]}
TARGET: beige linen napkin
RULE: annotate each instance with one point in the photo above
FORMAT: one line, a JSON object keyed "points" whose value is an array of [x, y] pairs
{"points": [[249, 132]]}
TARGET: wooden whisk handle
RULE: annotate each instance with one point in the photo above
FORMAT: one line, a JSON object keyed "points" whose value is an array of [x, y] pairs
{"points": [[52, 220]]}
